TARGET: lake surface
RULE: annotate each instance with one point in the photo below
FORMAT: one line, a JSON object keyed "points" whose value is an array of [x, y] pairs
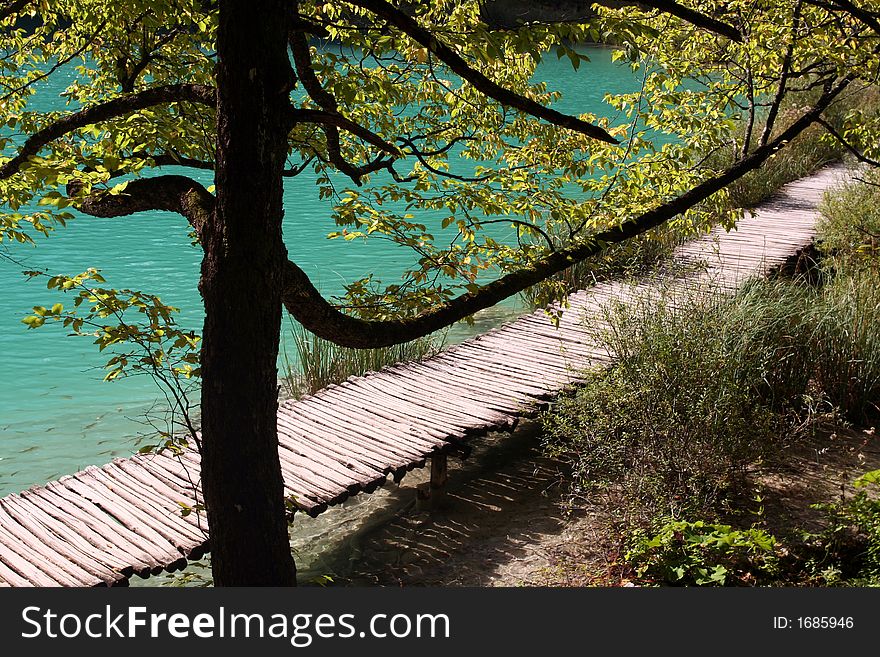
{"points": [[58, 416]]}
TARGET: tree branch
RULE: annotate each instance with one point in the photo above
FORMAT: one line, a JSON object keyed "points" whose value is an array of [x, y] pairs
{"points": [[571, 12], [105, 111], [460, 67], [302, 61], [784, 75], [323, 117], [861, 157], [689, 15], [868, 18], [315, 313], [171, 193]]}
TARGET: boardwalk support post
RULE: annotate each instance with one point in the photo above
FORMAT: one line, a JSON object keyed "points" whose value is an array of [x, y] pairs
{"points": [[431, 494]]}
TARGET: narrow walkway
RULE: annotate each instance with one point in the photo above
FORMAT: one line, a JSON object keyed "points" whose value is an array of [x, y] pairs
{"points": [[101, 525]]}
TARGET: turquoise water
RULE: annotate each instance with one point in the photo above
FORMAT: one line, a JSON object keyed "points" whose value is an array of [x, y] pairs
{"points": [[58, 416]]}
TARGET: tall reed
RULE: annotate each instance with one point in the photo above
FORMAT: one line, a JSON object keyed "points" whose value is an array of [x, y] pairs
{"points": [[316, 363]]}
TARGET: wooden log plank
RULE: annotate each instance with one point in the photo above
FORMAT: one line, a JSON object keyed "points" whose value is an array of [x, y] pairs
{"points": [[77, 510], [450, 395], [9, 577], [50, 550], [368, 404], [173, 470], [443, 372], [163, 513], [519, 393], [91, 490], [318, 437], [433, 408], [166, 470], [307, 439], [513, 374], [427, 420], [547, 353], [483, 366], [478, 402], [138, 480], [553, 350], [69, 543], [20, 559], [464, 419], [399, 434], [352, 433], [307, 486], [331, 471]]}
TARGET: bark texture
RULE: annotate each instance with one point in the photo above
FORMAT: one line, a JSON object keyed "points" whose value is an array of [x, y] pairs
{"points": [[241, 287]]}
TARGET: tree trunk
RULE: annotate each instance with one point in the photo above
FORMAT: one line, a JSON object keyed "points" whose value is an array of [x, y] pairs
{"points": [[241, 287]]}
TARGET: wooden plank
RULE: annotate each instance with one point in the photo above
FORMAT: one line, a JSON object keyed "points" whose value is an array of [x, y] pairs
{"points": [[348, 481], [50, 549], [10, 577], [520, 373], [134, 482], [139, 523], [426, 420], [424, 410], [518, 395], [477, 402], [161, 469], [371, 408], [70, 543], [475, 412], [161, 513], [310, 436], [20, 559], [172, 470], [308, 439], [438, 373], [78, 510], [351, 434], [454, 403]]}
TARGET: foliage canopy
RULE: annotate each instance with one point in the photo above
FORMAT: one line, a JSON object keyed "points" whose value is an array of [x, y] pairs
{"points": [[436, 122]]}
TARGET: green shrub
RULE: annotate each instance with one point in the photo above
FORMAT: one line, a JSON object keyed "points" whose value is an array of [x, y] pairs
{"points": [[690, 402], [851, 540], [318, 362], [681, 553]]}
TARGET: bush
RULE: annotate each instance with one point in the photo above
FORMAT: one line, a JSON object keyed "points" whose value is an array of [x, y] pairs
{"points": [[681, 553], [690, 402], [684, 553], [851, 541]]}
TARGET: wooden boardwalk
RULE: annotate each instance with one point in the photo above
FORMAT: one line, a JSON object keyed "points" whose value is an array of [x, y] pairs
{"points": [[101, 525]]}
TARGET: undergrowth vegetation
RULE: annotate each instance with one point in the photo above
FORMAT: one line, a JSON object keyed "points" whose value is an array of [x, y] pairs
{"points": [[696, 394], [706, 390]]}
